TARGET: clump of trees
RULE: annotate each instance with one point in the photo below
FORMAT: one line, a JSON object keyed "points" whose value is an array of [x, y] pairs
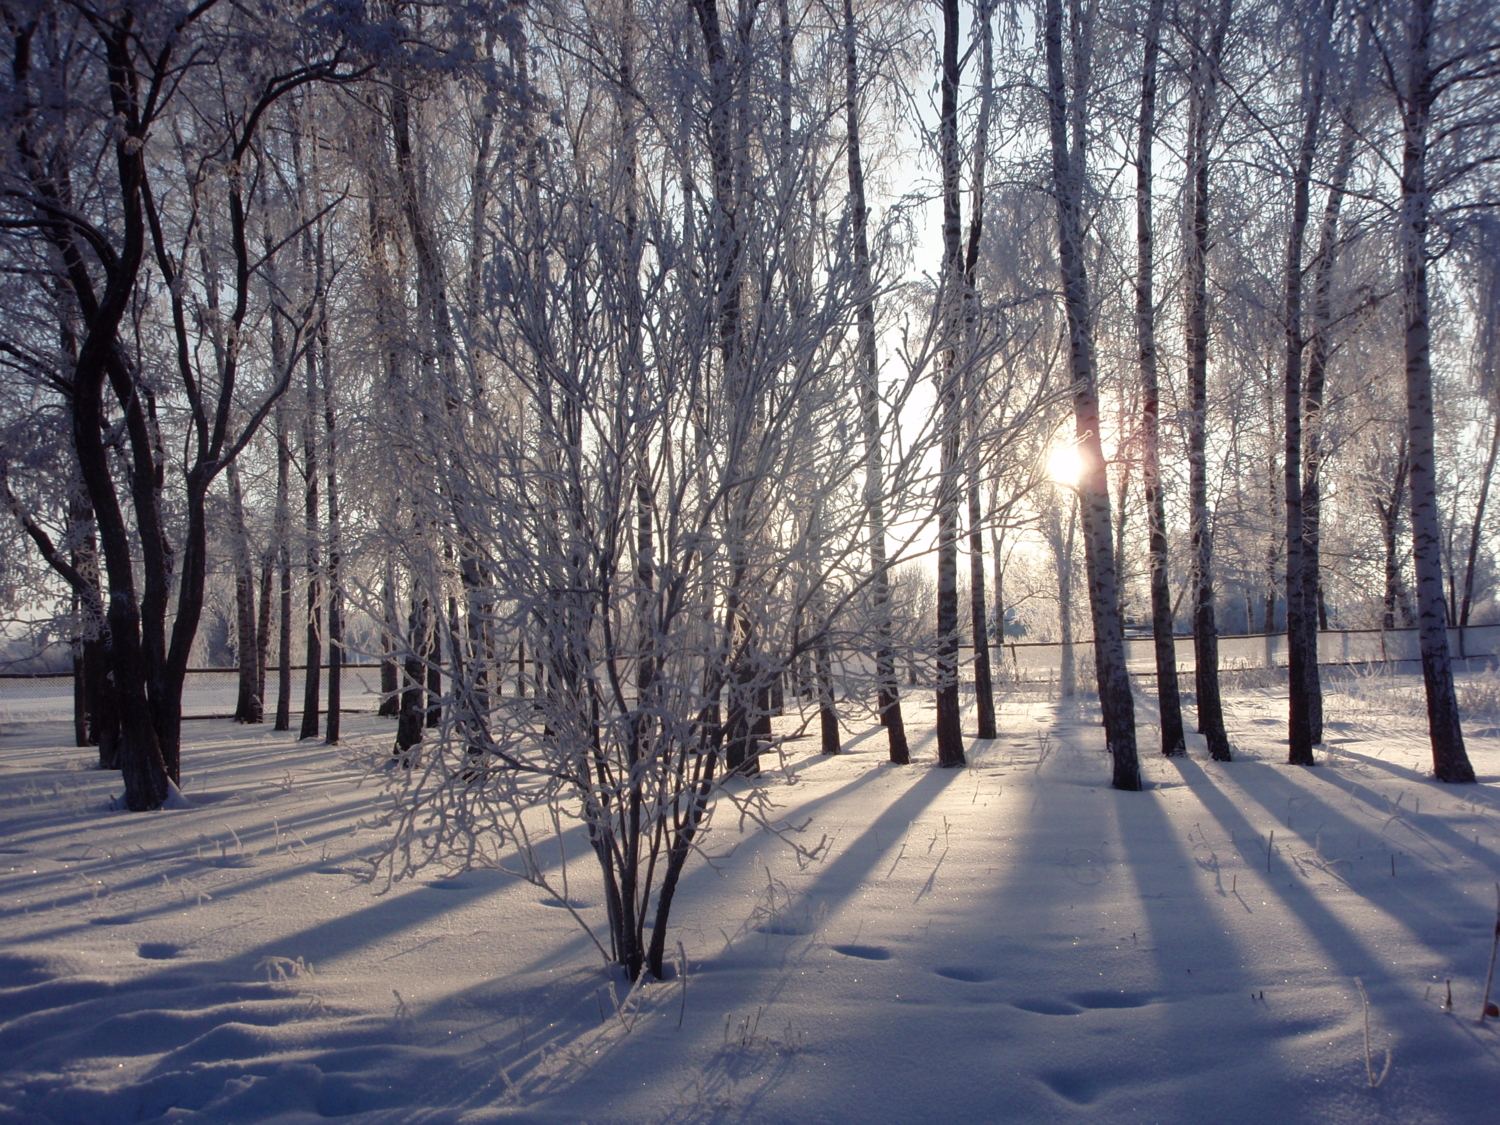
{"points": [[583, 364]]}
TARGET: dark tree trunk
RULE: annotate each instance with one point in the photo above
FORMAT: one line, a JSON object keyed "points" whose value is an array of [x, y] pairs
{"points": [[1164, 646], [283, 528], [1319, 347], [1299, 609], [1477, 527], [950, 742], [413, 710], [335, 554], [390, 668], [1205, 629], [984, 688], [248, 703], [314, 649], [1389, 510], [828, 716]]}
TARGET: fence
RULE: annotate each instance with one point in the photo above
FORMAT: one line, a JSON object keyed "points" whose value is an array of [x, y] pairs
{"points": [[210, 693], [1031, 662]]}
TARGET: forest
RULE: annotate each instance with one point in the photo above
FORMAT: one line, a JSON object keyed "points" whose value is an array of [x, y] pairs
{"points": [[615, 374]]}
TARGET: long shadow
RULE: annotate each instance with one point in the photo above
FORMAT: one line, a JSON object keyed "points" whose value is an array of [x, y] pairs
{"points": [[1189, 943], [1430, 907], [865, 851], [1442, 920], [1413, 906], [1432, 829], [1483, 793], [181, 859]]}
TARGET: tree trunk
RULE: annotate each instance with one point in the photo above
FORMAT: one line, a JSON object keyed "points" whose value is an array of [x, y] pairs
{"points": [[887, 689], [283, 531], [1205, 630], [1164, 646], [335, 554], [741, 748], [1115, 698], [1389, 511], [1319, 347], [1062, 541], [984, 688], [1449, 759], [1299, 608], [950, 743], [314, 649], [248, 705], [390, 668], [1477, 527], [413, 711]]}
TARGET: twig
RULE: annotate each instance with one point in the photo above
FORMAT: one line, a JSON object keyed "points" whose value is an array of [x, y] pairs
{"points": [[682, 969]]}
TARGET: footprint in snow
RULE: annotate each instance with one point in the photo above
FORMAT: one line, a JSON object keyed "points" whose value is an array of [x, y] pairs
{"points": [[1078, 1087], [1044, 1007], [157, 950], [864, 952], [1118, 999], [968, 974], [112, 920]]}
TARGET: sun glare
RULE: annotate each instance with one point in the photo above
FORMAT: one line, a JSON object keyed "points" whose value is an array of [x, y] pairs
{"points": [[1064, 465]]}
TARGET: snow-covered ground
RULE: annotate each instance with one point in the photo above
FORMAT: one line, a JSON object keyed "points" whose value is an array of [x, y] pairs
{"points": [[1009, 942]]}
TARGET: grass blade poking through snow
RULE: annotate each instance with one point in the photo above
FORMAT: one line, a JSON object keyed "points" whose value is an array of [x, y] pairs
{"points": [[1369, 1059]]}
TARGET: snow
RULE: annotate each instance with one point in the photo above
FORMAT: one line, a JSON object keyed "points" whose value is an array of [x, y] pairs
{"points": [[1012, 941]]}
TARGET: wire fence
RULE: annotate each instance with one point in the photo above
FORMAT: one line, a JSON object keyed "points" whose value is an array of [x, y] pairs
{"points": [[1041, 662], [210, 693]]}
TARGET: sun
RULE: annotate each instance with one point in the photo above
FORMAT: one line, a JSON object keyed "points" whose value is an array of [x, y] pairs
{"points": [[1064, 465]]}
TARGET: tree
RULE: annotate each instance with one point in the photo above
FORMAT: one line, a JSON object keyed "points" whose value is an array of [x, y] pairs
{"points": [[1164, 646], [1066, 121], [85, 81], [950, 743], [1429, 61], [1207, 57], [888, 690], [1301, 622]]}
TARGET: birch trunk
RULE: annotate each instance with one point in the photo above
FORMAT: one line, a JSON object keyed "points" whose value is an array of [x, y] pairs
{"points": [[1312, 415], [1450, 761], [1164, 647], [1205, 629], [984, 688], [1299, 608], [1115, 699], [887, 687]]}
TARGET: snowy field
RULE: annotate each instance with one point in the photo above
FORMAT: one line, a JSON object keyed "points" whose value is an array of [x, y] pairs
{"points": [[1009, 942]]}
